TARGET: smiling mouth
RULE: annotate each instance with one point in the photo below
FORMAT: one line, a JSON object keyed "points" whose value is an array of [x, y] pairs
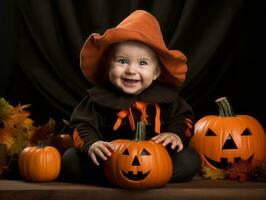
{"points": [[130, 81], [224, 161], [135, 177]]}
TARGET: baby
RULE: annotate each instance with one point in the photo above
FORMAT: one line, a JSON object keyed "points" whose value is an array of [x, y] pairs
{"points": [[136, 78]]}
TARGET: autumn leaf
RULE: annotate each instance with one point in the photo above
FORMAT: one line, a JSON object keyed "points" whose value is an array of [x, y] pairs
{"points": [[6, 136], [5, 109], [259, 173], [241, 170], [18, 121], [19, 118], [20, 143], [43, 132], [213, 174]]}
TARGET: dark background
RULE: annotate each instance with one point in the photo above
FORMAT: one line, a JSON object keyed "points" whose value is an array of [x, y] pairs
{"points": [[224, 41]]}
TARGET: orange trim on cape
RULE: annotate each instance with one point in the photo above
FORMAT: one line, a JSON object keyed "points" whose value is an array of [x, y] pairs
{"points": [[78, 142]]}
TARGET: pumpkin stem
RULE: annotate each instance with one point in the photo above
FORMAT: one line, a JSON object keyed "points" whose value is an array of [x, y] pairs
{"points": [[225, 108], [41, 144], [140, 131]]}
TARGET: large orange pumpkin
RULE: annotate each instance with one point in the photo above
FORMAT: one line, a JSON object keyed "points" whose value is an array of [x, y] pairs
{"points": [[228, 138], [39, 163], [138, 163]]}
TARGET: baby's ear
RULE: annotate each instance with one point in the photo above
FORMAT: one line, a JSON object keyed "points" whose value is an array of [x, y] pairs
{"points": [[157, 72]]}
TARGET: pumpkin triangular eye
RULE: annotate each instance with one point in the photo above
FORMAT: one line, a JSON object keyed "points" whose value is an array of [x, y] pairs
{"points": [[145, 153], [210, 133], [246, 132], [125, 152]]}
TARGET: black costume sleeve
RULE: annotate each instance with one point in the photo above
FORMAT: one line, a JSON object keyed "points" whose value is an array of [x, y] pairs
{"points": [[84, 119], [180, 120]]}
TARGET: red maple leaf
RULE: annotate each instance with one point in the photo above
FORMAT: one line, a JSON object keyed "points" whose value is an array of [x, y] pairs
{"points": [[241, 170]]}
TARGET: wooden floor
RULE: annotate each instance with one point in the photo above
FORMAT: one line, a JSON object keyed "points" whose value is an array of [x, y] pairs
{"points": [[195, 189]]}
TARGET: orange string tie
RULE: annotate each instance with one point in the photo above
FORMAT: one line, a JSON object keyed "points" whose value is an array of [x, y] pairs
{"points": [[121, 115], [141, 106], [157, 119]]}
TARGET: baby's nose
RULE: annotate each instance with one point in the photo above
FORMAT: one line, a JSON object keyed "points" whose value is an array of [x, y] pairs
{"points": [[131, 69]]}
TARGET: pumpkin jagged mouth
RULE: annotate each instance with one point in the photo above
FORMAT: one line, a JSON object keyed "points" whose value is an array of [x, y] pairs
{"points": [[224, 161], [135, 177]]}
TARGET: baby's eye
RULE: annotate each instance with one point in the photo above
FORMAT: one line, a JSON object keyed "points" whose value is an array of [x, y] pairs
{"points": [[143, 62], [122, 61]]}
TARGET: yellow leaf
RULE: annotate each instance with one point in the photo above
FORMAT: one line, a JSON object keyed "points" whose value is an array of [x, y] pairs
{"points": [[213, 174], [20, 143], [5, 109], [17, 128], [19, 120], [6, 136]]}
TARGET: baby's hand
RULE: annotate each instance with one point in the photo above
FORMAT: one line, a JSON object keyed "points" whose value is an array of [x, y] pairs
{"points": [[169, 138], [100, 149]]}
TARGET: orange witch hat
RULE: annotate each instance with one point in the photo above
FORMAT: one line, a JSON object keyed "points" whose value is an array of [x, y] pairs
{"points": [[139, 26]]}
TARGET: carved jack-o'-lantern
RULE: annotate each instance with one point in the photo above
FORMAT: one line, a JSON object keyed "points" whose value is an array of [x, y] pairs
{"points": [[227, 138], [138, 163]]}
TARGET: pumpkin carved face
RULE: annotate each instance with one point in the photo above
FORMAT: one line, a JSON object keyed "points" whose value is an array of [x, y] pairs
{"points": [[223, 140], [227, 139], [136, 170], [138, 164]]}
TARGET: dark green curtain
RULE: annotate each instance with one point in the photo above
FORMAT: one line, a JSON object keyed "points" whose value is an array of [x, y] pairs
{"points": [[222, 40]]}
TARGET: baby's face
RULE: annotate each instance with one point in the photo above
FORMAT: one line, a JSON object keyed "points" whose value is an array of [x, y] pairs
{"points": [[133, 66]]}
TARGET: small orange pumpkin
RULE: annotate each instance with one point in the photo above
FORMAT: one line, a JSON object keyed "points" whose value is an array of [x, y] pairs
{"points": [[138, 164], [228, 138], [39, 163], [62, 142]]}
